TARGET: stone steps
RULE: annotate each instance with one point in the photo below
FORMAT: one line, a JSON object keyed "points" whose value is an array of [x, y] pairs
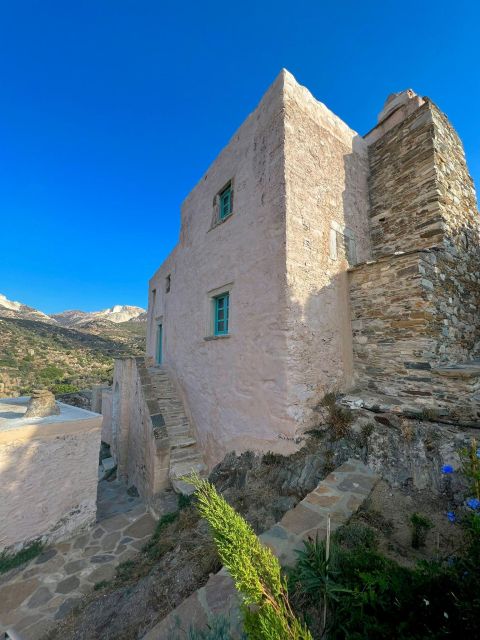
{"points": [[162, 399]]}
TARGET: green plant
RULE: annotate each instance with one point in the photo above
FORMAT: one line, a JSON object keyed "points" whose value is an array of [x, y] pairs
{"points": [[266, 609], [272, 459], [125, 570], [10, 561], [420, 527], [470, 459], [184, 501], [98, 586], [366, 431], [339, 418], [63, 388], [218, 628], [373, 597]]}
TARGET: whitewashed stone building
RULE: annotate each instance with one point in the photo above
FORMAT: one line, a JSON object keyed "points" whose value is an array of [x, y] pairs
{"points": [[310, 259]]}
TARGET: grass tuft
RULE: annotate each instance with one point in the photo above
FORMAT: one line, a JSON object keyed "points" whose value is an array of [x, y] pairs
{"points": [[11, 561]]}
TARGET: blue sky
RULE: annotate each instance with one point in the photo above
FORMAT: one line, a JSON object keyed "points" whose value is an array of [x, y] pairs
{"points": [[111, 110]]}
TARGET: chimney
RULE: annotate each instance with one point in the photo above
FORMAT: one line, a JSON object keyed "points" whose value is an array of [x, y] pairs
{"points": [[397, 107]]}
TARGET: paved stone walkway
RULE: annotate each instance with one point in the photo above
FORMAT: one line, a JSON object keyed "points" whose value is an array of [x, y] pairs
{"points": [[339, 495], [33, 597]]}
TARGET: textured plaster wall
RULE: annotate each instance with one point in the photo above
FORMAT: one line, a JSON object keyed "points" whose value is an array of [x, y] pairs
{"points": [[297, 171], [326, 167], [48, 478], [235, 388]]}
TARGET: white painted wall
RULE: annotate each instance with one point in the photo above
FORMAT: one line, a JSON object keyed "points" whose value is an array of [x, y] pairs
{"points": [[296, 167], [48, 473]]}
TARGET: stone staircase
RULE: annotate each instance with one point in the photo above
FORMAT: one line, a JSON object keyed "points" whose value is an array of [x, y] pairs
{"points": [[171, 425]]}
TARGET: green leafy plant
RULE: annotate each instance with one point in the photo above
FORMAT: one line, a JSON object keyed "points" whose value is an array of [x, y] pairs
{"points": [[11, 561], [371, 596], [218, 628], [266, 609], [420, 526]]}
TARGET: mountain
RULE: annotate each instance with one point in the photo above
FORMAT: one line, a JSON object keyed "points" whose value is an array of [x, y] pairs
{"points": [[75, 318], [11, 309], [116, 314], [65, 352]]}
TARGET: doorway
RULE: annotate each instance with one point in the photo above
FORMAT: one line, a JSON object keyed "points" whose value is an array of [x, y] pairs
{"points": [[159, 351]]}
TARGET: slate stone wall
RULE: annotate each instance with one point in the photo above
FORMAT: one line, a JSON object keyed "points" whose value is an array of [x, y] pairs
{"points": [[415, 308], [405, 213], [411, 313]]}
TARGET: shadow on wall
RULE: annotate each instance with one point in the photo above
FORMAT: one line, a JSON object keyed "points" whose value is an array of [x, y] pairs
{"points": [[320, 331], [48, 483]]}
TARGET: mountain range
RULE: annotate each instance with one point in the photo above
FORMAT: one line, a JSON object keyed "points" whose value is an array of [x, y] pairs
{"points": [[64, 352], [75, 318]]}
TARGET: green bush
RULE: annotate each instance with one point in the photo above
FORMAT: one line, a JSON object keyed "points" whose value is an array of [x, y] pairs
{"points": [[58, 389], [420, 526], [371, 596], [51, 372], [267, 614]]}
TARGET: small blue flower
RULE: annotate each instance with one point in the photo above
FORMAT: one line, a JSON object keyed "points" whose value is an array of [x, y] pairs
{"points": [[473, 503], [447, 468], [451, 516]]}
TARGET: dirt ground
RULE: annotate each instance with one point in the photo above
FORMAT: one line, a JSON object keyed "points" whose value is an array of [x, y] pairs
{"points": [[388, 511]]}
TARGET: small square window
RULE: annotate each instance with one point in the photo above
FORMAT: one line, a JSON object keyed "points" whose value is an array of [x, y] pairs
{"points": [[221, 305], [225, 198]]}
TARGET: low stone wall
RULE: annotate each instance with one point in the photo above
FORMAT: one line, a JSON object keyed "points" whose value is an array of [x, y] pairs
{"points": [[48, 473], [339, 495]]}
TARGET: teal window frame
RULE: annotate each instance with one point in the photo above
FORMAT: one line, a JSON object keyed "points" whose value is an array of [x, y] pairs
{"points": [[221, 313], [225, 201]]}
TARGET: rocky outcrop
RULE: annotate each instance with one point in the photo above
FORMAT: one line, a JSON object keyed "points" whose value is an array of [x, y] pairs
{"points": [[41, 404]]}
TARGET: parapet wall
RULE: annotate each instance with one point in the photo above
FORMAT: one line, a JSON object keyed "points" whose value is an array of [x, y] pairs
{"points": [[48, 473]]}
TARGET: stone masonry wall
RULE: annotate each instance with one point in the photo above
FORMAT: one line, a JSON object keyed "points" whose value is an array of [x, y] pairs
{"points": [[412, 313], [457, 197], [405, 212]]}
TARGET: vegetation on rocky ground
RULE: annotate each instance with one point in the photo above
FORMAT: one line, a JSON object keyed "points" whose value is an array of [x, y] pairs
{"points": [[368, 595], [267, 614], [12, 560], [35, 354]]}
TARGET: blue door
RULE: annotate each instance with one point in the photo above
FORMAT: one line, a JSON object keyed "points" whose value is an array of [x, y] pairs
{"points": [[159, 343]]}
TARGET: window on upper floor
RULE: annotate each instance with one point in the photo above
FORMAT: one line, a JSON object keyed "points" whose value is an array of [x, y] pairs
{"points": [[221, 309], [225, 202], [168, 283]]}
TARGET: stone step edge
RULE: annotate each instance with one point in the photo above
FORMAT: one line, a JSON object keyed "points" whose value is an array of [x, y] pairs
{"points": [[351, 483]]}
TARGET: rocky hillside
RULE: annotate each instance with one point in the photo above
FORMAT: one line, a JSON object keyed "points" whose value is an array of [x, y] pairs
{"points": [[37, 350]]}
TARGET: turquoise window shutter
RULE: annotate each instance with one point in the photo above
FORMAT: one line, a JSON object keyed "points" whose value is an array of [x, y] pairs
{"points": [[226, 202], [221, 311]]}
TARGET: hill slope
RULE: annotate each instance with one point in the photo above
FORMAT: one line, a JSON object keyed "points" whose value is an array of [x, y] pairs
{"points": [[35, 353]]}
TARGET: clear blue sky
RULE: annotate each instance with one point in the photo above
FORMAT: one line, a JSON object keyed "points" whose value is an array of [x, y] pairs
{"points": [[111, 110]]}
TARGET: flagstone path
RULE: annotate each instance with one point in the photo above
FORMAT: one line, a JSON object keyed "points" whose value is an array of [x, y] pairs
{"points": [[36, 595]]}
